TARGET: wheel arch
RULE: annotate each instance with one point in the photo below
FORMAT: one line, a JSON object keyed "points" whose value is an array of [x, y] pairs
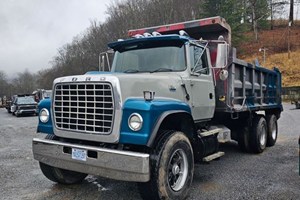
{"points": [[178, 120], [276, 112]]}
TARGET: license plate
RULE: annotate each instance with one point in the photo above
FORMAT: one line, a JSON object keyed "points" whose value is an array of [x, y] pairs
{"points": [[79, 154]]}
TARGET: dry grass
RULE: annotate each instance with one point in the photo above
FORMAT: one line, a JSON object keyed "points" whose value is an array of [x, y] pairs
{"points": [[290, 68], [276, 41]]}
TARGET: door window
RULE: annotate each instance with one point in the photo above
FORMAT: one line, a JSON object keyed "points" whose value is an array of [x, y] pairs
{"points": [[199, 60]]}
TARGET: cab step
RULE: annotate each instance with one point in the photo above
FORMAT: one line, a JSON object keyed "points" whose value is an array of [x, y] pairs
{"points": [[209, 133], [213, 156]]}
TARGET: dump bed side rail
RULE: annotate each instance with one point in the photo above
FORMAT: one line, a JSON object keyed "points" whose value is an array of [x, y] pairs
{"points": [[248, 88]]}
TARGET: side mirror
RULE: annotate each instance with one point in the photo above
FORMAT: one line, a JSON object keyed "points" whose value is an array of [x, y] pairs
{"points": [[223, 74], [222, 55], [104, 60]]}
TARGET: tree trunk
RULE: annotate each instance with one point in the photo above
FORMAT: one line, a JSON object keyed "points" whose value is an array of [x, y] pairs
{"points": [[254, 22], [272, 20], [291, 17]]}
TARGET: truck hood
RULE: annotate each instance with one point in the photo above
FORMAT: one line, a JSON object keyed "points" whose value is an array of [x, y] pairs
{"points": [[164, 84]]}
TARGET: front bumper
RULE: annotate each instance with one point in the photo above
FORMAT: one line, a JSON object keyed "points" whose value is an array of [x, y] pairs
{"points": [[109, 163], [27, 111]]}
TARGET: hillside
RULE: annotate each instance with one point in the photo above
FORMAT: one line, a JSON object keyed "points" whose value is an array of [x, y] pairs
{"points": [[290, 68], [276, 42]]}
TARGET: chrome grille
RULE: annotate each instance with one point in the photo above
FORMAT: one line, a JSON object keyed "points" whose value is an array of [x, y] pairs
{"points": [[26, 107], [84, 107]]}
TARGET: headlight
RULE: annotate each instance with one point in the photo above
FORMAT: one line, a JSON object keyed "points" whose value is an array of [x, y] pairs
{"points": [[44, 115], [135, 122]]}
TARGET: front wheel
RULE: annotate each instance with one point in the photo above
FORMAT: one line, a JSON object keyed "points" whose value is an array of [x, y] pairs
{"points": [[58, 175], [172, 168], [62, 176]]}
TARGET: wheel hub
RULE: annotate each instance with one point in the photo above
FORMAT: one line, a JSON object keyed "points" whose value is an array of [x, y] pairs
{"points": [[263, 137], [274, 134], [175, 169], [178, 170]]}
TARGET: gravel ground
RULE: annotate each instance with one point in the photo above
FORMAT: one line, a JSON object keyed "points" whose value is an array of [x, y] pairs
{"points": [[273, 174]]}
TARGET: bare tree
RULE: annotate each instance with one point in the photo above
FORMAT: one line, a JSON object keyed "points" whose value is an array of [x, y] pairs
{"points": [[3, 84], [258, 11], [291, 16], [276, 9], [24, 83]]}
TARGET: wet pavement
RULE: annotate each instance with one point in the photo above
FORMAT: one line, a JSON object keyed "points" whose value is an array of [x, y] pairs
{"points": [[274, 174]]}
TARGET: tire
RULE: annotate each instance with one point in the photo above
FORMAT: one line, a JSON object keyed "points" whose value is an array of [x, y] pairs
{"points": [[58, 175], [51, 137], [244, 139], [172, 168], [62, 176], [258, 138], [272, 130]]}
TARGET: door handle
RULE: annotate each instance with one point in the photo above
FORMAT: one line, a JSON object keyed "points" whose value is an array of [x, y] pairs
{"points": [[211, 95]]}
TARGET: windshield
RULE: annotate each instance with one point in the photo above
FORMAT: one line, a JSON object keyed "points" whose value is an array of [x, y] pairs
{"points": [[154, 59], [26, 100]]}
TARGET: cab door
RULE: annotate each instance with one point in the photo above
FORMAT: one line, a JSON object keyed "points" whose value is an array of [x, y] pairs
{"points": [[201, 84]]}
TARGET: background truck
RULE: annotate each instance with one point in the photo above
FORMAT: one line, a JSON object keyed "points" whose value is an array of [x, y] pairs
{"points": [[173, 93], [41, 94]]}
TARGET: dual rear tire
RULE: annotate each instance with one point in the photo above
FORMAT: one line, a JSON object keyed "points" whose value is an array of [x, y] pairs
{"points": [[272, 130], [262, 133]]}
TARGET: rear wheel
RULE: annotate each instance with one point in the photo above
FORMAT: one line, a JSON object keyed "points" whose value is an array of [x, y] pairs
{"points": [[244, 139], [172, 168], [272, 130], [258, 138]]}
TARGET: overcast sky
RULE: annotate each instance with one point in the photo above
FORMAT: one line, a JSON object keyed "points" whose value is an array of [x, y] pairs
{"points": [[31, 31]]}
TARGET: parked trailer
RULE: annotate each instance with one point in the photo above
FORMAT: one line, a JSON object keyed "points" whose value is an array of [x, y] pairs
{"points": [[174, 92]]}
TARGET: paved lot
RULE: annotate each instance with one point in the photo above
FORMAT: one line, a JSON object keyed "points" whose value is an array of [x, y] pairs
{"points": [[271, 175]]}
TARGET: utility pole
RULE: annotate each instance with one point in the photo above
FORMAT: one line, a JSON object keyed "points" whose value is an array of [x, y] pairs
{"points": [[264, 49], [289, 39]]}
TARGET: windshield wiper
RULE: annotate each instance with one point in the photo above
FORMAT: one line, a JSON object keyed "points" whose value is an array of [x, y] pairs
{"points": [[131, 71], [162, 70]]}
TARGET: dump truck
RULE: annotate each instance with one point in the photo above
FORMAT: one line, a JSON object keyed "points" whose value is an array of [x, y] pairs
{"points": [[174, 92]]}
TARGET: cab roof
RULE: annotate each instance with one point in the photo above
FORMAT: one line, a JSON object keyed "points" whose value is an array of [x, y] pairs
{"points": [[148, 42]]}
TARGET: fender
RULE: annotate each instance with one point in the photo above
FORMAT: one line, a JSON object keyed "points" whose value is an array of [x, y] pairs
{"points": [[159, 122], [153, 112], [45, 127]]}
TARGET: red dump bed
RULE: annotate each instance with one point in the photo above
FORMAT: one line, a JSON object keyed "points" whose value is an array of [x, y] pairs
{"points": [[207, 29]]}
